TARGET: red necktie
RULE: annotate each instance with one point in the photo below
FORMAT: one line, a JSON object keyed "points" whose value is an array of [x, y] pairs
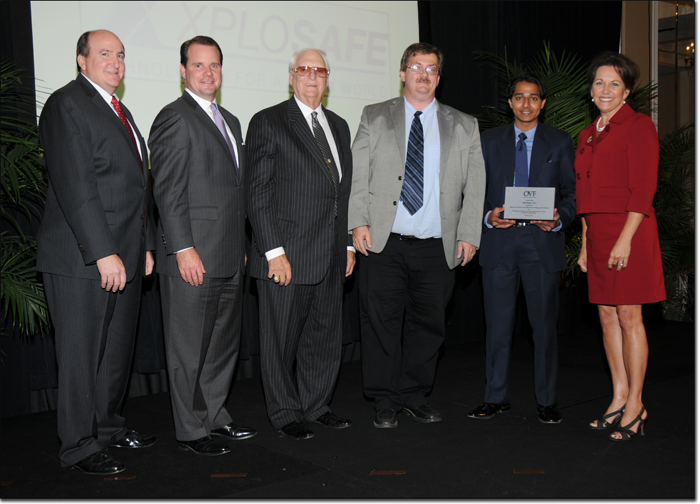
{"points": [[122, 117]]}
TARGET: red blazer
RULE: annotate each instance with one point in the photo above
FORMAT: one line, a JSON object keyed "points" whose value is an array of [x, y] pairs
{"points": [[617, 172]]}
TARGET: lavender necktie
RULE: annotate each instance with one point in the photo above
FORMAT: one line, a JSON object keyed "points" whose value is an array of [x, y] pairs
{"points": [[222, 129]]}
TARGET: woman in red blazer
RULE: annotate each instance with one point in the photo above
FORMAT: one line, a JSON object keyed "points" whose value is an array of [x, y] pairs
{"points": [[616, 171]]}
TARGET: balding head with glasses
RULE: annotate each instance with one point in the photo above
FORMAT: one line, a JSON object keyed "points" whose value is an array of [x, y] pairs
{"points": [[308, 76]]}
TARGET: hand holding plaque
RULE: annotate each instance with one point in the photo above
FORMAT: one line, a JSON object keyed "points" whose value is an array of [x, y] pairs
{"points": [[525, 204]]}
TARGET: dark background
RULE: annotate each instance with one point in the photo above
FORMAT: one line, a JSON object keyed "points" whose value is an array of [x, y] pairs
{"points": [[28, 369]]}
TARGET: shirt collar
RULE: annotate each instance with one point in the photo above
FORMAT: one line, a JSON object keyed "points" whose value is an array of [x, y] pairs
{"points": [[530, 134], [107, 97], [306, 110], [205, 104], [428, 110]]}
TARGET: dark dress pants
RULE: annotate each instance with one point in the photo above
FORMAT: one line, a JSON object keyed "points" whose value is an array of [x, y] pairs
{"points": [[300, 346], [202, 336], [95, 333], [403, 294], [519, 260]]}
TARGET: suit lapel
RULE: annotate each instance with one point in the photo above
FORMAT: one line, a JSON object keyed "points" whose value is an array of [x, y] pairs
{"points": [[110, 114], [206, 121], [301, 129], [445, 128], [540, 152], [507, 149], [398, 117]]}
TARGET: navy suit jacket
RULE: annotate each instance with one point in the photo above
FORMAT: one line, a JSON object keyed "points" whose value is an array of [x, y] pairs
{"points": [[551, 165]]}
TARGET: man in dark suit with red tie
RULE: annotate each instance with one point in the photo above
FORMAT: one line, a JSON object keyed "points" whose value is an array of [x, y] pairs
{"points": [[93, 248], [198, 163], [300, 176], [525, 153]]}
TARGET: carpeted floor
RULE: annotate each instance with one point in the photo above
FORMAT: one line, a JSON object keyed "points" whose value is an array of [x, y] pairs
{"points": [[510, 456]]}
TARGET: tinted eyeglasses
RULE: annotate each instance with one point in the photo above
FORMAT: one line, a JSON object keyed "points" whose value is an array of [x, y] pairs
{"points": [[305, 70]]}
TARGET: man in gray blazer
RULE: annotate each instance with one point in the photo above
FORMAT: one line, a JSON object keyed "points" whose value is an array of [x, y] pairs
{"points": [[300, 174], [92, 250], [415, 214], [198, 164]]}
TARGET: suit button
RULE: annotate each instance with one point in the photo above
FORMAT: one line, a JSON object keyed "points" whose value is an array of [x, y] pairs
{"points": [[578, 176], [400, 177], [588, 174], [394, 203], [143, 216]]}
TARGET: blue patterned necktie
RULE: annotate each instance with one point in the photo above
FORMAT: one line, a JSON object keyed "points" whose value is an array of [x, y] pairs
{"points": [[219, 121], [521, 177], [412, 190]]}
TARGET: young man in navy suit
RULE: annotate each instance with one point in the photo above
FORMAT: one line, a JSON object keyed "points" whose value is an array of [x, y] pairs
{"points": [[524, 153]]}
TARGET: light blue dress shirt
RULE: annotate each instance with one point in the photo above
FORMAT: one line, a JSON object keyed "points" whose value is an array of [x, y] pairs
{"points": [[425, 223]]}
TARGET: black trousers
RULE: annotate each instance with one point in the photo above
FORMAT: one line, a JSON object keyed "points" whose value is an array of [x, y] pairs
{"points": [[95, 332], [300, 346], [403, 294]]}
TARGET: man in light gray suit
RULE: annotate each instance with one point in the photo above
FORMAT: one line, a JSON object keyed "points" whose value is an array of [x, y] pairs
{"points": [[198, 164], [415, 214]]}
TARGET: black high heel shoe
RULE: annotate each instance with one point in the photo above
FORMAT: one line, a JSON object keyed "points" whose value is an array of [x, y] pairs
{"points": [[627, 432], [603, 423]]}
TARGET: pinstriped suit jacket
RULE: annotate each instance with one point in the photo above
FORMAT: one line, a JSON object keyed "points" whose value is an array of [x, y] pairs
{"points": [[96, 195], [201, 202], [379, 154], [291, 196]]}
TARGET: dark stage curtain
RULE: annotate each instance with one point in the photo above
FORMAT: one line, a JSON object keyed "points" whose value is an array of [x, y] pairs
{"points": [[458, 28]]}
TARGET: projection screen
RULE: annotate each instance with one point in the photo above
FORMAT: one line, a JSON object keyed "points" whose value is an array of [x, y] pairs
{"points": [[364, 42]]}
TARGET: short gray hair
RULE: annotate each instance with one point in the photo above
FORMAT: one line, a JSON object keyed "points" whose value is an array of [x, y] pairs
{"points": [[295, 56]]}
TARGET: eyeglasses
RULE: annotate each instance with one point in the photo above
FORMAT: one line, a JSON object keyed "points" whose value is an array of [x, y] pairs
{"points": [[305, 70], [417, 69]]}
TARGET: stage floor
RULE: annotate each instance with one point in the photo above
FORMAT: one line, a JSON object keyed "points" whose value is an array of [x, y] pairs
{"points": [[512, 455]]}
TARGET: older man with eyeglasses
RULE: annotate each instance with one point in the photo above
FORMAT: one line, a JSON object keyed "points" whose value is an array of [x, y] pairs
{"points": [[300, 174], [415, 214]]}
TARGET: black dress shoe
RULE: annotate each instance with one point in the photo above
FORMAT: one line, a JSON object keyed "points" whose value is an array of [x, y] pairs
{"points": [[297, 430], [423, 414], [333, 421], [549, 414], [385, 419], [100, 464], [488, 410], [204, 446], [235, 432], [134, 440]]}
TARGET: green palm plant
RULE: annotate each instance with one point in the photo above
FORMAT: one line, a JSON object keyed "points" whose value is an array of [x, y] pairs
{"points": [[22, 192], [569, 108]]}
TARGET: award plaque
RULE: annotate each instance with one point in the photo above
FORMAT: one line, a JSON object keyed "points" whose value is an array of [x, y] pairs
{"points": [[529, 203]]}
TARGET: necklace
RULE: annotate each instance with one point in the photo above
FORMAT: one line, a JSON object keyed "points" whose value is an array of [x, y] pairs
{"points": [[597, 126]]}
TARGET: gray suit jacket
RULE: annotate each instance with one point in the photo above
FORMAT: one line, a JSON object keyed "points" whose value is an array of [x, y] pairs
{"points": [[96, 195], [379, 163], [200, 200], [291, 195]]}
